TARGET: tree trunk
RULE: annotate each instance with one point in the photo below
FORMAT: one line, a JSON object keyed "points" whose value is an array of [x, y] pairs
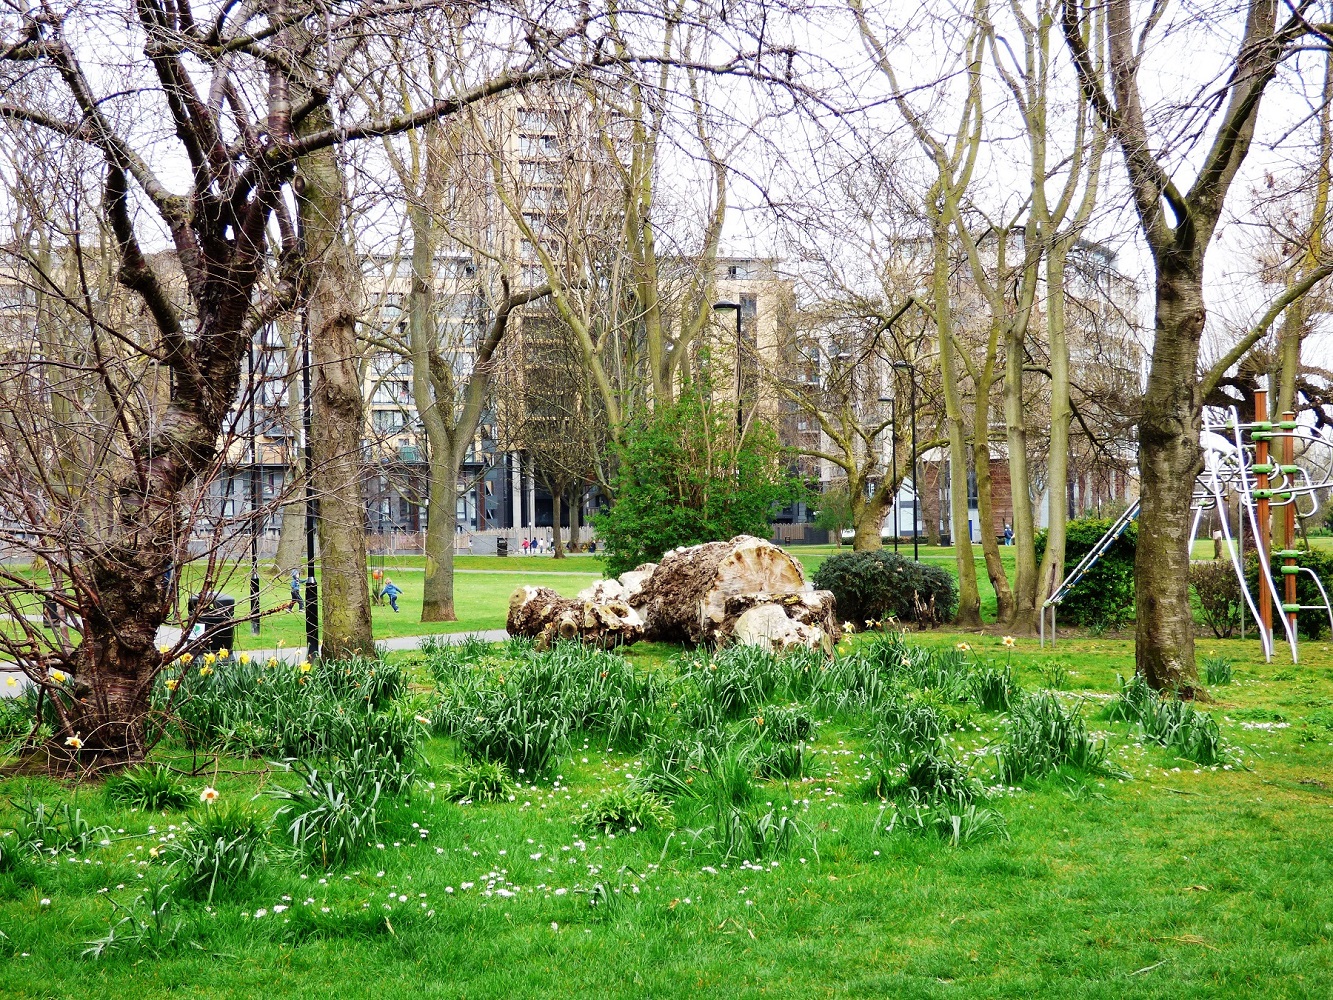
{"points": [[969, 598], [338, 409], [1024, 618], [990, 546], [557, 540], [542, 614], [291, 533], [575, 520], [437, 599], [1169, 461], [1052, 569], [868, 521]]}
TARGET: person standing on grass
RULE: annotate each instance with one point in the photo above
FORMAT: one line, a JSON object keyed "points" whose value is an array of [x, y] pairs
{"points": [[392, 591], [1008, 535], [525, 546], [297, 601]]}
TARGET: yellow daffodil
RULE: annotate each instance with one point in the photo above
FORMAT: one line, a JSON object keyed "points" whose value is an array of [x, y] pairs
{"points": [[281, 643], [223, 653], [58, 676], [11, 682], [210, 659], [305, 667], [164, 650], [272, 661], [243, 659], [172, 684], [154, 851], [187, 658], [205, 670], [209, 795], [1009, 641]]}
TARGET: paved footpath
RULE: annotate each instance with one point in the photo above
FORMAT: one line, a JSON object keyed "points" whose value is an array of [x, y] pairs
{"points": [[287, 654]]}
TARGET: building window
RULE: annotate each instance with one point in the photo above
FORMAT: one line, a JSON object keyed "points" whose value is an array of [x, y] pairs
{"points": [[387, 421]]}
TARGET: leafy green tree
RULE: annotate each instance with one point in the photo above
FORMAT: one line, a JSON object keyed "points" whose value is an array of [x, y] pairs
{"points": [[835, 511], [683, 479]]}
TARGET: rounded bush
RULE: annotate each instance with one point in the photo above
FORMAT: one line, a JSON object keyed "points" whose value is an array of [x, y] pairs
{"points": [[1104, 597], [870, 586]]}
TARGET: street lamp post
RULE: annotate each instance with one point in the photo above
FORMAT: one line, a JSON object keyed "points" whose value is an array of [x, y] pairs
{"points": [[254, 497], [916, 493], [726, 304], [311, 588]]}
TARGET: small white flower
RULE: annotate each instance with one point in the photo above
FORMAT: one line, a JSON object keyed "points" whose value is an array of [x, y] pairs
{"points": [[46, 902], [208, 796]]}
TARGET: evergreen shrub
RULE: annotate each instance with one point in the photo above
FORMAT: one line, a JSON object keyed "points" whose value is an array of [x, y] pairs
{"points": [[1104, 598], [870, 586]]}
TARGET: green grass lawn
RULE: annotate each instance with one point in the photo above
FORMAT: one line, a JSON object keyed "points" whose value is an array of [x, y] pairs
{"points": [[1177, 881], [481, 598]]}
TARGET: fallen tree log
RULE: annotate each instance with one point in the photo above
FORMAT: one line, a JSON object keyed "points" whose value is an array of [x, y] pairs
{"points": [[685, 599], [542, 614], [625, 587]]}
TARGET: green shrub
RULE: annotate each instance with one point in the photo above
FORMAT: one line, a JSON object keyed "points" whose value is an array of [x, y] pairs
{"points": [[478, 781], [871, 586], [1104, 597], [791, 724], [1217, 670], [282, 710], [224, 847], [43, 829], [682, 480], [1055, 674], [1218, 593], [338, 810], [148, 786], [1042, 735], [993, 687], [146, 925], [782, 761], [1313, 622], [520, 715], [1169, 721], [956, 820], [626, 810]]}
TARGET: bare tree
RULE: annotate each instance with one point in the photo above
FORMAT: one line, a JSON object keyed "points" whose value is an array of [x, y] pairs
{"points": [[1178, 223], [245, 113]]}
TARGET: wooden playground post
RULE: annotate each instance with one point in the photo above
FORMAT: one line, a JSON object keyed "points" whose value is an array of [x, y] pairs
{"points": [[1289, 516], [1260, 434]]}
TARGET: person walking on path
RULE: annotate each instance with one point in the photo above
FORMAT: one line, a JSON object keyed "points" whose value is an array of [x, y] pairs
{"points": [[392, 591], [296, 591]]}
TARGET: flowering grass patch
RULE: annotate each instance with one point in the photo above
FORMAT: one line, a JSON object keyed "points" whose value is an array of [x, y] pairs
{"points": [[1207, 876]]}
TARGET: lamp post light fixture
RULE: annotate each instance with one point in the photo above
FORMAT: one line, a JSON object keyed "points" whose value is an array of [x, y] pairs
{"points": [[727, 304]]}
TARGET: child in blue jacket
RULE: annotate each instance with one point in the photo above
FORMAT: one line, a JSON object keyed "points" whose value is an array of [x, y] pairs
{"points": [[392, 591]]}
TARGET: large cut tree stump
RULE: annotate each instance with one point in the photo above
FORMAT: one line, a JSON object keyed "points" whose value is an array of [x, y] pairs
{"points": [[685, 599], [542, 614]]}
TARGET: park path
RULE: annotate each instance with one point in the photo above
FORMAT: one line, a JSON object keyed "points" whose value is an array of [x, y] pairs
{"points": [[288, 654]]}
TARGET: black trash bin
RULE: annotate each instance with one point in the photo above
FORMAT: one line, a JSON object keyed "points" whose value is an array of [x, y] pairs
{"points": [[217, 614], [502, 546]]}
